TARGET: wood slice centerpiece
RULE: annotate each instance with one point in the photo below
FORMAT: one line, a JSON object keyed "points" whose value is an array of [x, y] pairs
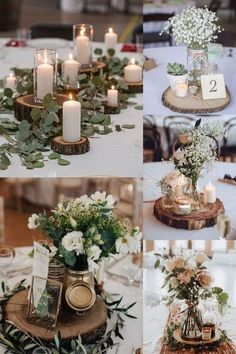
{"points": [[23, 106], [206, 216], [65, 148], [135, 87], [194, 104], [90, 326]]}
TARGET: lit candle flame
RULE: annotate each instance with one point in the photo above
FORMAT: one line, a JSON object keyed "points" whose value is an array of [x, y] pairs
{"points": [[132, 61], [113, 87], [11, 75], [110, 30], [70, 56], [82, 32], [70, 96]]}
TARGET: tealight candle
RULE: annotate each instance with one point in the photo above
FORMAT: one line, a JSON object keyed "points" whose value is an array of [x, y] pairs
{"points": [[182, 206], [82, 48], [181, 89], [71, 120], [112, 97], [71, 70], [206, 333], [44, 79], [210, 194], [11, 81], [133, 72], [110, 39]]}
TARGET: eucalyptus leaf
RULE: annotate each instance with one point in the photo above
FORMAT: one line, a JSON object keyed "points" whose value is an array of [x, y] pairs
{"points": [[63, 162], [53, 156], [128, 126]]}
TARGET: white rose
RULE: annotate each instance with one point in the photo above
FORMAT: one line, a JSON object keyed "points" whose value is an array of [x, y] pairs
{"points": [[73, 241], [178, 154], [169, 265], [200, 257], [94, 252], [32, 221], [174, 282]]}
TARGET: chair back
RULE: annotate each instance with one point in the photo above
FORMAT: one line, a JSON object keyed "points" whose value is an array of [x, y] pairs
{"points": [[229, 151], [52, 30], [151, 141], [10, 14], [155, 37]]}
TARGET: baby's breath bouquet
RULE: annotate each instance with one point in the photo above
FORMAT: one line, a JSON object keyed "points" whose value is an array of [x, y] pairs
{"points": [[87, 229], [194, 27], [197, 151]]}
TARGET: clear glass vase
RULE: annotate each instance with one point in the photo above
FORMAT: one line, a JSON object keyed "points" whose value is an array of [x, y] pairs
{"points": [[167, 200], [193, 192], [192, 325], [197, 64]]}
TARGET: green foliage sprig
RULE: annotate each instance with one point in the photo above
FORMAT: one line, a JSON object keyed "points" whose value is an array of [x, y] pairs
{"points": [[18, 342]]}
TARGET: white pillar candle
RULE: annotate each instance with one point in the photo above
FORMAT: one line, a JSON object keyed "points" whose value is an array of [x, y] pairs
{"points": [[71, 121], [210, 193], [111, 39], [82, 48], [112, 97], [133, 72], [44, 80], [182, 206], [181, 89], [11, 81], [71, 70]]}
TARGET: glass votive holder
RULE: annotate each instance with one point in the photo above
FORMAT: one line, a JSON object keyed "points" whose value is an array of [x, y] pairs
{"points": [[45, 73], [83, 40], [181, 89], [182, 206], [70, 72]]}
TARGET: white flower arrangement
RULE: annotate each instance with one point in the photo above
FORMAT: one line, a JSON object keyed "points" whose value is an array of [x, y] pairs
{"points": [[194, 27], [87, 228]]}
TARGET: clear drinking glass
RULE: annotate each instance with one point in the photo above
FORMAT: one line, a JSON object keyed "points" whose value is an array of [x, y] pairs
{"points": [[45, 73], [133, 270], [83, 40], [223, 225]]}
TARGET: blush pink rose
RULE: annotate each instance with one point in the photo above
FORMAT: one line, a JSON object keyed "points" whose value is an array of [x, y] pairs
{"points": [[179, 262], [204, 278], [185, 276]]}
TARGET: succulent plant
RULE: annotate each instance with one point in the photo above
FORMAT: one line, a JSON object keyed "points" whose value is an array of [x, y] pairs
{"points": [[176, 69]]}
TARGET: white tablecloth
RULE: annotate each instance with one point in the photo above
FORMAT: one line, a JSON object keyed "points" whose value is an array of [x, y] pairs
{"points": [[156, 80], [155, 318], [133, 339], [155, 230], [115, 154]]}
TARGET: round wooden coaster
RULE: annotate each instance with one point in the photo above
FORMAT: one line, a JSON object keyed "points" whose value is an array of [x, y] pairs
{"points": [[194, 103], [111, 109], [23, 106], [177, 336], [198, 219], [90, 326], [62, 147], [135, 87]]}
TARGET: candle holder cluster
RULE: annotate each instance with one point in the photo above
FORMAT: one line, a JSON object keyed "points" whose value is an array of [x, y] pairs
{"points": [[59, 145]]}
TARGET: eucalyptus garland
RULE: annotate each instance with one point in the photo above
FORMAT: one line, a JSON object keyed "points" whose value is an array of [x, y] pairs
{"points": [[18, 342], [31, 140]]}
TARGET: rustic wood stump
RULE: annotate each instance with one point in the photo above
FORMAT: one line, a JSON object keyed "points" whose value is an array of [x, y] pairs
{"points": [[111, 109], [90, 326], [135, 87], [95, 68], [62, 147], [194, 104], [206, 216], [23, 106]]}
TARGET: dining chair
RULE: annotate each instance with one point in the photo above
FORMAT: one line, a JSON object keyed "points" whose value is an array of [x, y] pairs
{"points": [[106, 3], [152, 150], [155, 37], [173, 125], [227, 39], [10, 11], [51, 30], [217, 5], [228, 152]]}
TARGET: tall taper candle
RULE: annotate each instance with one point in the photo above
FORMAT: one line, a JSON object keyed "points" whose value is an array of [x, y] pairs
{"points": [[71, 121]]}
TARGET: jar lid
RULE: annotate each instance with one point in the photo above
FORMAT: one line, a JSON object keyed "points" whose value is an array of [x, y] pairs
{"points": [[80, 296]]}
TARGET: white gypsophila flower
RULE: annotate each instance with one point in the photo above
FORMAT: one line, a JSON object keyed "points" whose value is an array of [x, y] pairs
{"points": [[74, 241], [101, 197], [84, 201], [194, 27], [33, 221], [200, 257], [94, 252], [73, 222]]}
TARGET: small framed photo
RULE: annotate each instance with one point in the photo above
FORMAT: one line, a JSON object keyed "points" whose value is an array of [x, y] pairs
{"points": [[213, 87], [44, 302]]}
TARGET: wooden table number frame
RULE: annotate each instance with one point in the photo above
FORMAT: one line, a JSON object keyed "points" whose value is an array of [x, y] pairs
{"points": [[45, 302]]}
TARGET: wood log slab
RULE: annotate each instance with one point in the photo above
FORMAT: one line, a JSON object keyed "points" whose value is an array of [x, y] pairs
{"points": [[62, 147], [194, 104], [135, 87], [23, 106], [96, 67], [206, 216], [111, 109], [90, 326]]}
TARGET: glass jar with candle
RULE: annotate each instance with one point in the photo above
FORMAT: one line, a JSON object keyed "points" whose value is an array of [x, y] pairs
{"points": [[83, 40], [45, 73], [197, 63], [70, 72]]}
